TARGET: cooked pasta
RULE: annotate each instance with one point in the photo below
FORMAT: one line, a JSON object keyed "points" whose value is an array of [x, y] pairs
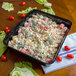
{"points": [[39, 37]]}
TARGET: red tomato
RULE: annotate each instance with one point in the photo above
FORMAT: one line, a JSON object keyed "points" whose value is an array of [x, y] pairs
{"points": [[8, 31], [48, 60], [59, 59], [62, 26], [42, 26], [6, 28], [47, 27], [45, 19], [11, 17], [58, 25], [70, 56], [65, 29], [28, 25], [22, 15], [23, 50], [4, 57], [66, 48], [23, 3]]}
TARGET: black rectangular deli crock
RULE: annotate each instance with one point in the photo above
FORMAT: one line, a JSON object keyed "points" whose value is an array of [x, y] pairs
{"points": [[57, 19]]}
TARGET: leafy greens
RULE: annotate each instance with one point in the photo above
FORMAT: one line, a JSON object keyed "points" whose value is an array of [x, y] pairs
{"points": [[23, 69], [7, 6], [2, 46], [26, 10]]}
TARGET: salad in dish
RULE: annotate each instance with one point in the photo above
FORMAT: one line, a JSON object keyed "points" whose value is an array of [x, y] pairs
{"points": [[39, 37]]}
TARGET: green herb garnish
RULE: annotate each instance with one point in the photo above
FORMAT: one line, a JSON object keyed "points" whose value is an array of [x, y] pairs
{"points": [[44, 24], [20, 45], [46, 43], [26, 33], [50, 40], [33, 26], [39, 47]]}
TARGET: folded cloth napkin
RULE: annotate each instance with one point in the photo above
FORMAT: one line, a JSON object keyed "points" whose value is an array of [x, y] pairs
{"points": [[71, 42]]}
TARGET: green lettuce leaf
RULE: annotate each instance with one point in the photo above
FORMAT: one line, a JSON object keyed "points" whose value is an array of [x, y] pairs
{"points": [[44, 2], [41, 1], [2, 46], [22, 64], [23, 69], [50, 11], [7, 6], [48, 5], [26, 10], [21, 72]]}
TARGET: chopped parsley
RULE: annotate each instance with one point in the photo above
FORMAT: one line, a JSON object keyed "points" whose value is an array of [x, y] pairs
{"points": [[39, 47], [50, 40], [20, 45]]}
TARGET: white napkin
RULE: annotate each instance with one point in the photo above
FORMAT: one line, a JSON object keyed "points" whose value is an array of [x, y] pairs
{"points": [[71, 42]]}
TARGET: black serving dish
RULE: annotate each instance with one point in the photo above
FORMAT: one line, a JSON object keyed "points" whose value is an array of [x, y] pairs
{"points": [[57, 19]]}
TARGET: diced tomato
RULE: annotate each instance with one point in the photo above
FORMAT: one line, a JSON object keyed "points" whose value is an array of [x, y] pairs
{"points": [[22, 15], [58, 25], [11, 17], [47, 27], [62, 26], [6, 28], [45, 19], [7, 31], [65, 29], [3, 57], [23, 50], [59, 59], [48, 60], [28, 25], [23, 3], [67, 48], [70, 56], [42, 26]]}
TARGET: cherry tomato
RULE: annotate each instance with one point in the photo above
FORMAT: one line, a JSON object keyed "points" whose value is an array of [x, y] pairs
{"points": [[66, 48], [11, 17], [6, 28], [8, 31], [23, 3], [70, 56], [22, 15], [3, 57], [59, 59]]}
